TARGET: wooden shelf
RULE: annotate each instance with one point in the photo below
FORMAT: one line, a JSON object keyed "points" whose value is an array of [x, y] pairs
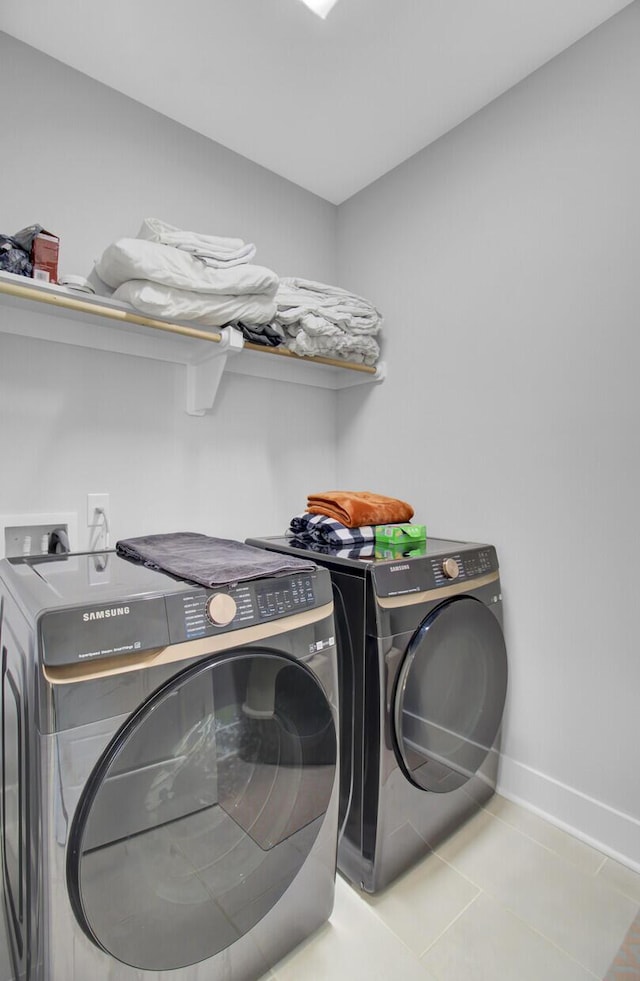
{"points": [[105, 324]]}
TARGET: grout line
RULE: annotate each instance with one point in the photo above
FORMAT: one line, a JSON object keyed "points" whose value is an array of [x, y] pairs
{"points": [[621, 890], [572, 830], [595, 875], [504, 906], [546, 939], [381, 922], [386, 926], [610, 886], [575, 869], [449, 925], [462, 875], [551, 850]]}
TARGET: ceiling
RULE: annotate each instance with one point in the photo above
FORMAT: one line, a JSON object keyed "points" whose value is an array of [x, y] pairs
{"points": [[329, 104]]}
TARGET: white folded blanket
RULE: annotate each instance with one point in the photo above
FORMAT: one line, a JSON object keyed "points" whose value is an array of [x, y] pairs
{"points": [[215, 250], [322, 292], [297, 298], [312, 336], [134, 258], [347, 347], [210, 310], [326, 320]]}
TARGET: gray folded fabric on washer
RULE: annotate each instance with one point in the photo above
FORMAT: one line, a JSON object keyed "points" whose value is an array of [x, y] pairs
{"points": [[207, 561]]}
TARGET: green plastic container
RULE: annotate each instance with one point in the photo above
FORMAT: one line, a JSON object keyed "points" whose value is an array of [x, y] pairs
{"points": [[401, 534]]}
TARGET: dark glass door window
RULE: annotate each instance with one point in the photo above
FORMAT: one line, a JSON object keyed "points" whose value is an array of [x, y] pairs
{"points": [[202, 810], [450, 695]]}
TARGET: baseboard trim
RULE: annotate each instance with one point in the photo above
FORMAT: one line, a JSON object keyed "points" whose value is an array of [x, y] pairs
{"points": [[614, 833]]}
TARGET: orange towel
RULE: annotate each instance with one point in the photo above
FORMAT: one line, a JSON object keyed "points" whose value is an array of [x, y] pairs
{"points": [[356, 508]]}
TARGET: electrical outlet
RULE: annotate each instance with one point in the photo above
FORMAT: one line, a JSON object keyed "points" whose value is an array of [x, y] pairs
{"points": [[97, 503]]}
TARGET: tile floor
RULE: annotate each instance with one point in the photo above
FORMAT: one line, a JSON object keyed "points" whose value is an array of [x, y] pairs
{"points": [[509, 897]]}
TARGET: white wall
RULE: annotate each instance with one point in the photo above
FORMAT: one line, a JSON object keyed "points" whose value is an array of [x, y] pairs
{"points": [[89, 164], [506, 258]]}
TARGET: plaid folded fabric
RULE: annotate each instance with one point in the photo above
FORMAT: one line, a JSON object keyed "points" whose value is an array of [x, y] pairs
{"points": [[328, 531], [336, 551]]}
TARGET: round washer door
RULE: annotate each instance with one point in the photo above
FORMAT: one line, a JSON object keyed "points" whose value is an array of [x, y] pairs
{"points": [[450, 694], [202, 810]]}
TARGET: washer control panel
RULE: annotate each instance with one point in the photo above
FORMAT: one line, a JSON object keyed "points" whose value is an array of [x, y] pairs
{"points": [[140, 610], [206, 612]]}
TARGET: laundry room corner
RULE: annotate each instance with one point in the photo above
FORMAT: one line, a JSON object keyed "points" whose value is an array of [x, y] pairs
{"points": [[318, 516], [507, 273], [83, 419]]}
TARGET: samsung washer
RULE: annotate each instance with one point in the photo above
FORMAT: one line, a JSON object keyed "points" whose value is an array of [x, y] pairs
{"points": [[423, 681], [169, 770]]}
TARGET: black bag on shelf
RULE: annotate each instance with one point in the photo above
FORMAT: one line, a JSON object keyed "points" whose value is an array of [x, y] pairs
{"points": [[14, 258]]}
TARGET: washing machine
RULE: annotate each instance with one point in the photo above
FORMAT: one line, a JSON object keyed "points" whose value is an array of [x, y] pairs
{"points": [[423, 682], [169, 770]]}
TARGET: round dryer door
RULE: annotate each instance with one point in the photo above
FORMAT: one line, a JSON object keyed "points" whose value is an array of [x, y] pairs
{"points": [[450, 694], [202, 810]]}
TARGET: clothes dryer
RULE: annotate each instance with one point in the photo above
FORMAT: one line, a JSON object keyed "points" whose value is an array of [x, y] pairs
{"points": [[169, 770], [423, 681]]}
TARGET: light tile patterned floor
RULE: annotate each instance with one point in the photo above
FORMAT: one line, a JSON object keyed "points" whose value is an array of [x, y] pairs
{"points": [[626, 963], [508, 897]]}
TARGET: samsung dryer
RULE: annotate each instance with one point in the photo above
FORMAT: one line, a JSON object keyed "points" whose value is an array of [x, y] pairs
{"points": [[423, 681], [169, 770]]}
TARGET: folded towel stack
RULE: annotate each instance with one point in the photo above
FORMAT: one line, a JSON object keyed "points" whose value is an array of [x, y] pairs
{"points": [[344, 523], [325, 320], [357, 508], [203, 279]]}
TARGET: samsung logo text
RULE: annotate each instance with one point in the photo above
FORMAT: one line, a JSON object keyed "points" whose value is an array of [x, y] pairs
{"points": [[399, 568], [114, 611]]}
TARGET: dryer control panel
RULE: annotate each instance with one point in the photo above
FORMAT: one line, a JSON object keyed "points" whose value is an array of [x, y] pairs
{"points": [[417, 575], [208, 612]]}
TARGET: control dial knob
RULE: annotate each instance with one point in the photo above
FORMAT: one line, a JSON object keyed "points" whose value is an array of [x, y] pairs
{"points": [[450, 568], [221, 609]]}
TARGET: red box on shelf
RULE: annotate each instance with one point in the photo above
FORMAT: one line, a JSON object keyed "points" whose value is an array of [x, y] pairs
{"points": [[44, 256]]}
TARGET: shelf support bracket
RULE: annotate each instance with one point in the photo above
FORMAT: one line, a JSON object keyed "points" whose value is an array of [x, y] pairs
{"points": [[204, 376]]}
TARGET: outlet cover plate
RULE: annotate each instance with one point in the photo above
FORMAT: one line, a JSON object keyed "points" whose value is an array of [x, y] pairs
{"points": [[96, 502]]}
